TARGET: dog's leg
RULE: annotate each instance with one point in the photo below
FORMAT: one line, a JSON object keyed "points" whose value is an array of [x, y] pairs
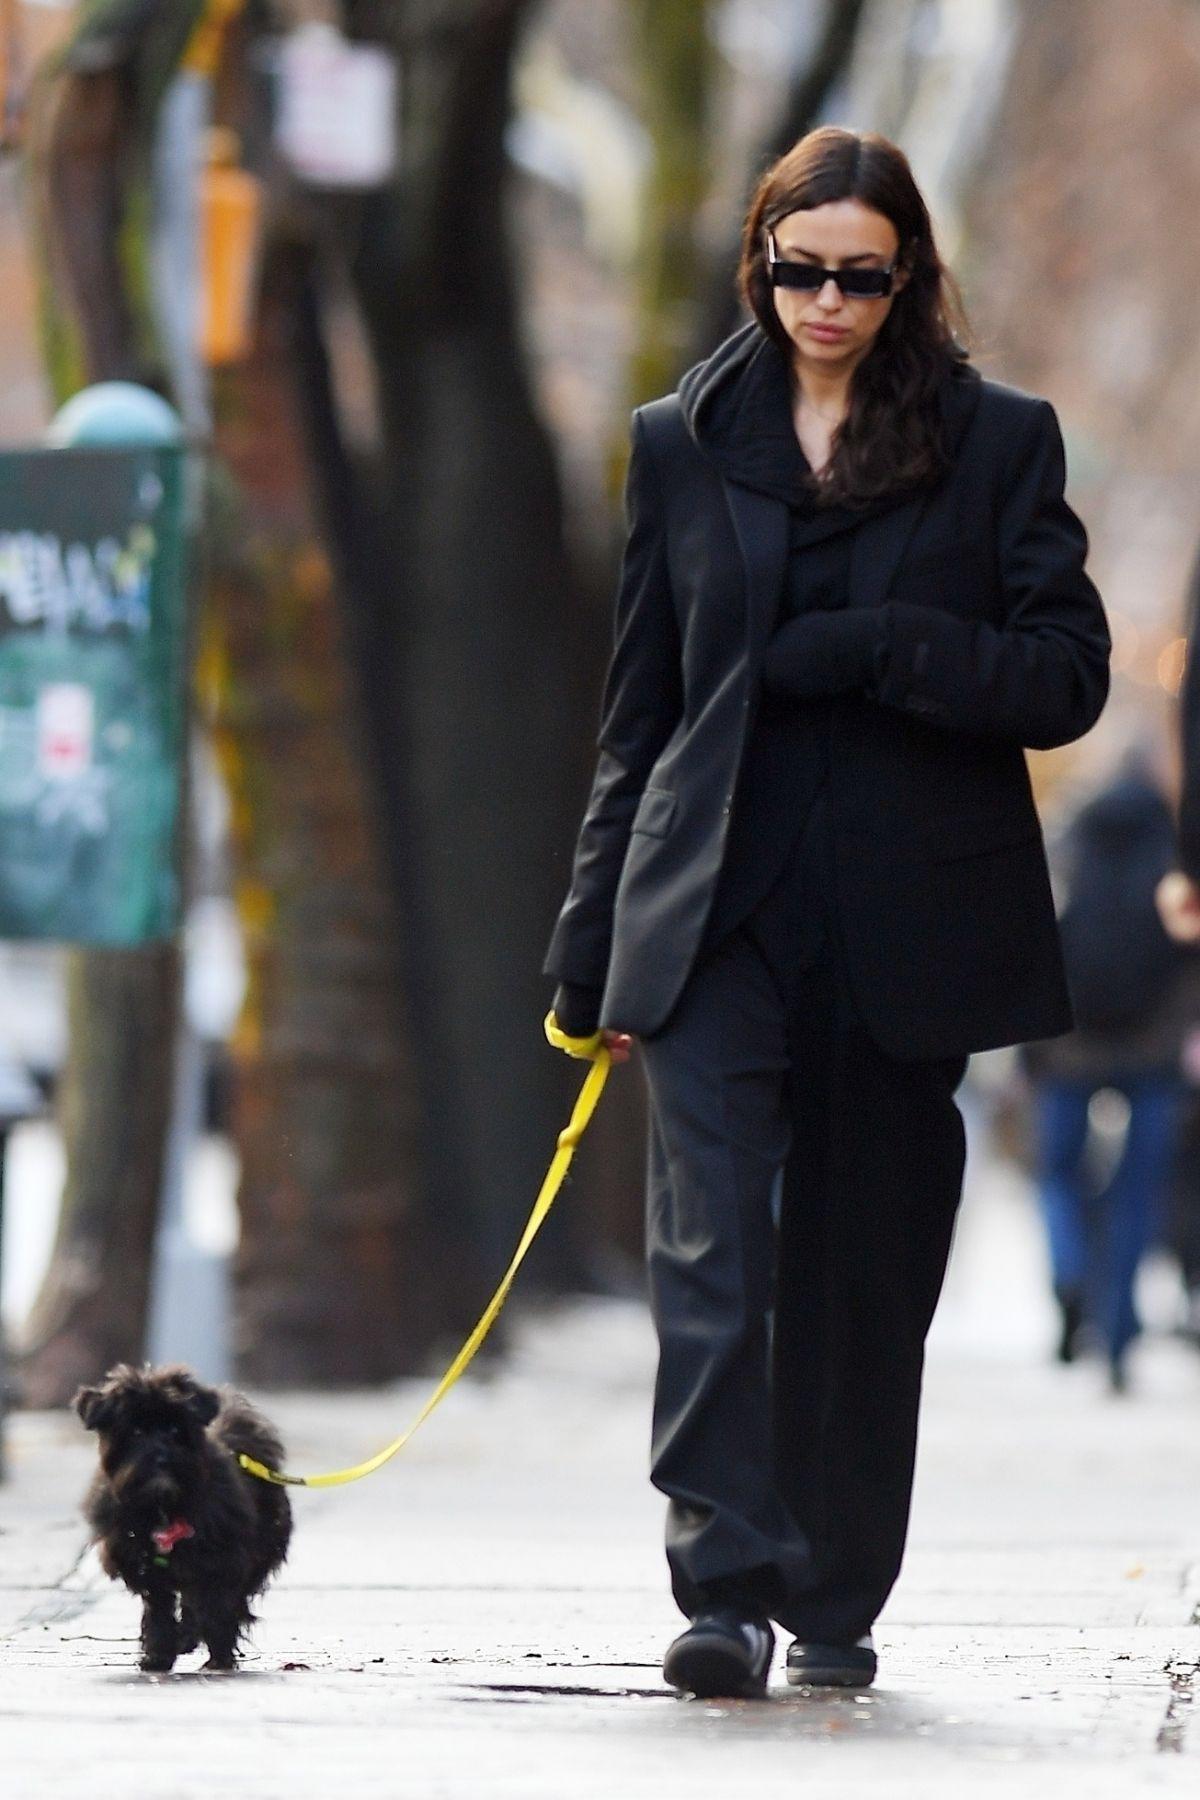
{"points": [[221, 1626], [188, 1633], [158, 1631], [222, 1642]]}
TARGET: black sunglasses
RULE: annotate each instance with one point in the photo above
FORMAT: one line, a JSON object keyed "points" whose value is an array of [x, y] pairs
{"points": [[810, 278]]}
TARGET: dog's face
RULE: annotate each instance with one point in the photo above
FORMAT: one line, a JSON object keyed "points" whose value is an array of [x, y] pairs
{"points": [[151, 1428]]}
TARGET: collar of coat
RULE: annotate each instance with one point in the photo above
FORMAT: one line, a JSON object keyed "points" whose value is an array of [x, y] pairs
{"points": [[761, 518], [737, 405]]}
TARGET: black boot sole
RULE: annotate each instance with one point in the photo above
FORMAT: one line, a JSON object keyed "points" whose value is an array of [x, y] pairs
{"points": [[711, 1668], [831, 1667]]}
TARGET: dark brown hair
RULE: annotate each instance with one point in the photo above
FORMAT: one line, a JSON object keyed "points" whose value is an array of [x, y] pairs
{"points": [[891, 437]]}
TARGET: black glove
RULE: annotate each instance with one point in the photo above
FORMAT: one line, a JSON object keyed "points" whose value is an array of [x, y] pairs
{"points": [[822, 653], [577, 1008]]}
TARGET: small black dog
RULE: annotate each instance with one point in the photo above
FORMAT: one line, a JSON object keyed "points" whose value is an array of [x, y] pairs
{"points": [[173, 1514]]}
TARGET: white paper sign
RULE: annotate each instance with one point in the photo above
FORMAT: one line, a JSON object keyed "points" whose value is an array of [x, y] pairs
{"points": [[66, 718], [337, 116]]}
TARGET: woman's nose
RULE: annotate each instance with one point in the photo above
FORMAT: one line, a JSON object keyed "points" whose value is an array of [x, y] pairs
{"points": [[830, 296]]}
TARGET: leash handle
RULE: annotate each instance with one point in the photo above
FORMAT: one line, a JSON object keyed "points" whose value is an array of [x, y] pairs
{"points": [[586, 1048]]}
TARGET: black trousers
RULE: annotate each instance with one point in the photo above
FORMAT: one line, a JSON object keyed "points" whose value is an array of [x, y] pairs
{"points": [[801, 1194]]}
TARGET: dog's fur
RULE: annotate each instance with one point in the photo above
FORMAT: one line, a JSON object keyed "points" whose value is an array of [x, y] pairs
{"points": [[168, 1461]]}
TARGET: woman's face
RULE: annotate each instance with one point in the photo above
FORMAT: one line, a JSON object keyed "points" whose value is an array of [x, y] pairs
{"points": [[826, 327]]}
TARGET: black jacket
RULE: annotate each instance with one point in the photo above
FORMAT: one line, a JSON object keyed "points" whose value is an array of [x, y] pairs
{"points": [[972, 630], [1130, 984]]}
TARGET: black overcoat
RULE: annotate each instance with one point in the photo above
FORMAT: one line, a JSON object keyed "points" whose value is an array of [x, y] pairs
{"points": [[992, 638]]}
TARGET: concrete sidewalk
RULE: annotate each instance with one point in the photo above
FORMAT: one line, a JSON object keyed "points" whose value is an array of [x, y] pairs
{"points": [[486, 1616]]}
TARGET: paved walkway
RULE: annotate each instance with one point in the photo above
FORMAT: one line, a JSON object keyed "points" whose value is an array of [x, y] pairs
{"points": [[486, 1617]]}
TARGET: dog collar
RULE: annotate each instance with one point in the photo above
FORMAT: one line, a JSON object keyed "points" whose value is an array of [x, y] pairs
{"points": [[166, 1539]]}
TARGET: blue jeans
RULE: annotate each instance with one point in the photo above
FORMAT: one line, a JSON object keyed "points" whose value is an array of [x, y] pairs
{"points": [[1098, 1235]]}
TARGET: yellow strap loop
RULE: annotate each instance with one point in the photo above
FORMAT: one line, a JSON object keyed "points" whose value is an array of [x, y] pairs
{"points": [[591, 1049]]}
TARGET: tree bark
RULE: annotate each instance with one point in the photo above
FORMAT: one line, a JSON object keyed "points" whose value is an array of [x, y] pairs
{"points": [[10, 74], [343, 1273], [87, 174], [677, 62], [123, 1005], [114, 1110], [470, 615], [808, 90]]}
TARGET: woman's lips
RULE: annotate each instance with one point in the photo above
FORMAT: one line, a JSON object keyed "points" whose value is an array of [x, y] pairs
{"points": [[828, 334]]}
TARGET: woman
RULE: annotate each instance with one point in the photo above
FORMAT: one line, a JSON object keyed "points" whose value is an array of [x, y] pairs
{"points": [[810, 880]]}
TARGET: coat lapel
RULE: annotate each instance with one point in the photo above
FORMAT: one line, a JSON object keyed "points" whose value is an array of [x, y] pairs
{"points": [[880, 541], [761, 525]]}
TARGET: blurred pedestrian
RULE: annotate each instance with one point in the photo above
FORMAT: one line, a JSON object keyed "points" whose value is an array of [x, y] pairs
{"points": [[810, 880], [1179, 891], [1182, 1234], [1179, 908], [1126, 978]]}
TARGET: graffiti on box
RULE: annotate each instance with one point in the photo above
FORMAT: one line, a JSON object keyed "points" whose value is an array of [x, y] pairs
{"points": [[46, 582], [92, 699]]}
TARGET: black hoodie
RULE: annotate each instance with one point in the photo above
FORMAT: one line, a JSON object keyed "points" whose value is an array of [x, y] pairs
{"points": [[737, 406]]}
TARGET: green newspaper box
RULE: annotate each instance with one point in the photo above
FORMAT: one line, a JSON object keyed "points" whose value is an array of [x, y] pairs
{"points": [[93, 694]]}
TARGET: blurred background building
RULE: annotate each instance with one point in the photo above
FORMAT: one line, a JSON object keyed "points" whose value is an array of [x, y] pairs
{"points": [[403, 269]]}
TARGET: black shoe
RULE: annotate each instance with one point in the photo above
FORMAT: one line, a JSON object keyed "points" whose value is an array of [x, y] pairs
{"points": [[721, 1653], [832, 1665], [1191, 1322], [1070, 1316]]}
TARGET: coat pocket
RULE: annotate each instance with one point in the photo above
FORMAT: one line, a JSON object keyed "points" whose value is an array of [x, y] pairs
{"points": [[655, 810]]}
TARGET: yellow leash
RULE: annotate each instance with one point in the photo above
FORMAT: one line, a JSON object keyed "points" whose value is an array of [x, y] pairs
{"points": [[592, 1049]]}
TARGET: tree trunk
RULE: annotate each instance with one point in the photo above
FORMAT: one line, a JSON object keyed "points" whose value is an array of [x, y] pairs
{"points": [[123, 1005], [338, 1278], [114, 1110], [471, 615], [808, 90], [10, 74], [677, 61]]}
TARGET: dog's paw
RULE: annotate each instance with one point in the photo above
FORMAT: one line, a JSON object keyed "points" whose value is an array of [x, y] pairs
{"points": [[158, 1664], [219, 1666]]}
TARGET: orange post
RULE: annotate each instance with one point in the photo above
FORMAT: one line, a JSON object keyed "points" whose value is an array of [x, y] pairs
{"points": [[231, 215]]}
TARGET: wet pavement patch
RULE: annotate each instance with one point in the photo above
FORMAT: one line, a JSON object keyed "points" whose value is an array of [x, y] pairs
{"points": [[1182, 1679]]}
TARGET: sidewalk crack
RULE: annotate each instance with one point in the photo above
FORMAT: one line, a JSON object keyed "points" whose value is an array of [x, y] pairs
{"points": [[64, 1599]]}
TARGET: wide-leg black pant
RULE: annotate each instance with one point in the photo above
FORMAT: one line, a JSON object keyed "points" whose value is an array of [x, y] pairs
{"points": [[802, 1187]]}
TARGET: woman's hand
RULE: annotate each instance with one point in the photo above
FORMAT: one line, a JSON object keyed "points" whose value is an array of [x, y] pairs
{"points": [[1178, 899], [822, 653], [576, 1009]]}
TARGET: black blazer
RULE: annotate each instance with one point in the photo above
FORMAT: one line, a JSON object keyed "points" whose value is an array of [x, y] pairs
{"points": [[991, 637]]}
